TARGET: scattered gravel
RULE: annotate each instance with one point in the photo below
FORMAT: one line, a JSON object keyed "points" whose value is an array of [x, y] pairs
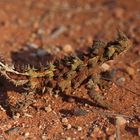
{"points": [[68, 48], [69, 126], [32, 46], [120, 121], [64, 120], [121, 79], [56, 32], [79, 128], [26, 135], [48, 108], [17, 116], [68, 138], [105, 66]]}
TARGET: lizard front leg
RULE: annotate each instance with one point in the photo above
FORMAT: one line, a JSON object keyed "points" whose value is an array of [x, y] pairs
{"points": [[22, 104]]}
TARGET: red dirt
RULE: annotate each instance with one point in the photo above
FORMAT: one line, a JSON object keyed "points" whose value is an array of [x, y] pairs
{"points": [[51, 25]]}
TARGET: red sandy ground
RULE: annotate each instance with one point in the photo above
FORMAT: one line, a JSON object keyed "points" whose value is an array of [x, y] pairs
{"points": [[38, 22]]}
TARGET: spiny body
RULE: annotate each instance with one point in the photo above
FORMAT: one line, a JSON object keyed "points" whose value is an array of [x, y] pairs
{"points": [[71, 71]]}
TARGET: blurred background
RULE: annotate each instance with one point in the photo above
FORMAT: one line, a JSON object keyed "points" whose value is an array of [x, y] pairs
{"points": [[64, 24]]}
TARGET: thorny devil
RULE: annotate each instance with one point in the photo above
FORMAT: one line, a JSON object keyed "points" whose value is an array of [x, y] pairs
{"points": [[69, 73]]}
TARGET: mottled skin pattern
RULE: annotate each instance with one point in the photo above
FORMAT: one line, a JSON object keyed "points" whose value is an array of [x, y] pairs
{"points": [[69, 73]]}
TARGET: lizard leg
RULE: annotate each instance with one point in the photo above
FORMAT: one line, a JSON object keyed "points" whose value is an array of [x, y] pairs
{"points": [[94, 92], [106, 79], [23, 104]]}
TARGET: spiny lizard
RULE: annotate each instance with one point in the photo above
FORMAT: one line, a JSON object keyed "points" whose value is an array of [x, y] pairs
{"points": [[68, 73]]}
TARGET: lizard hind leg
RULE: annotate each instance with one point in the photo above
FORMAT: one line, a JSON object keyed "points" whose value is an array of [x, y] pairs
{"points": [[95, 93], [106, 79]]}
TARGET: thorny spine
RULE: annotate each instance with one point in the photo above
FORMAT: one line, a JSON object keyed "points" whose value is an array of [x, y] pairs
{"points": [[69, 72]]}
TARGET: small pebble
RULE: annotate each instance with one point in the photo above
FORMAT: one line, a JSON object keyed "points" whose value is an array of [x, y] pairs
{"points": [[16, 116], [69, 126], [138, 70], [48, 109], [56, 32], [73, 93], [105, 66], [120, 120], [40, 127], [86, 105], [26, 134], [1, 136], [32, 46], [62, 133], [75, 132], [44, 137], [2, 109], [79, 128], [56, 95], [41, 31], [67, 48], [96, 129], [64, 120], [68, 138], [121, 79], [28, 115]]}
